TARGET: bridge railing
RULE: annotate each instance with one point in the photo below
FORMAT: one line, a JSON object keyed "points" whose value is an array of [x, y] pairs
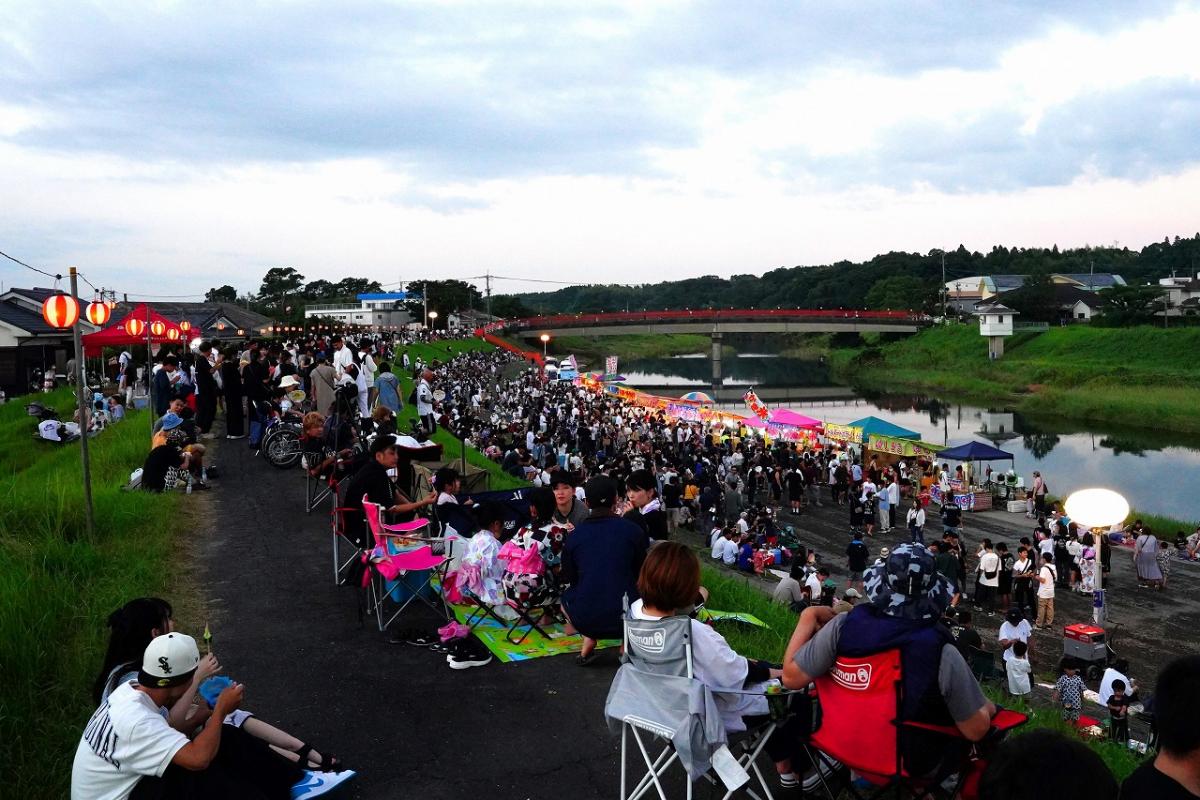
{"points": [[706, 315]]}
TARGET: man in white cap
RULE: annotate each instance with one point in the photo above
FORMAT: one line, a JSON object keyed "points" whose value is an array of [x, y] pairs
{"points": [[129, 750]]}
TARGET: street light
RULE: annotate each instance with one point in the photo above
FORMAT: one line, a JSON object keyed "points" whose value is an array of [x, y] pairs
{"points": [[432, 319], [1099, 510], [545, 337]]}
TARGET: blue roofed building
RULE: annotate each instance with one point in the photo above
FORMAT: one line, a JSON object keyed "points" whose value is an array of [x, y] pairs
{"points": [[376, 309]]}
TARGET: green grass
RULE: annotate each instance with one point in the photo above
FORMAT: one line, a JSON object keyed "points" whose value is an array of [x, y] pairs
{"points": [[451, 447], [57, 587], [17, 427], [1133, 376], [729, 592], [632, 346]]}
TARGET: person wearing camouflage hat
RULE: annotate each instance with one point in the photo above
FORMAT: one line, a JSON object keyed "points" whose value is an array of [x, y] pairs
{"points": [[906, 597]]}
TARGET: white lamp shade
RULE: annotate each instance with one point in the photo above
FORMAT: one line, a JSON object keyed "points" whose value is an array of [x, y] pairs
{"points": [[1096, 508]]}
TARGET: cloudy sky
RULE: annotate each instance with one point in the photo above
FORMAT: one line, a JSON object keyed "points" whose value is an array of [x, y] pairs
{"points": [[167, 147]]}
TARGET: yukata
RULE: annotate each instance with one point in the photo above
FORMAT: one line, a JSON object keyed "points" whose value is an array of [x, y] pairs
{"points": [[524, 566], [1087, 570], [482, 572]]}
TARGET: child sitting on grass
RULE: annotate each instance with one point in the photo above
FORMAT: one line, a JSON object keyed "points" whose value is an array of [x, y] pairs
{"points": [[1019, 670], [1068, 691]]}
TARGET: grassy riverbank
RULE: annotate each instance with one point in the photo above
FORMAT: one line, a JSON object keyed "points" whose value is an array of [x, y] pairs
{"points": [[451, 447], [731, 593], [1139, 377], [632, 346], [57, 586]]}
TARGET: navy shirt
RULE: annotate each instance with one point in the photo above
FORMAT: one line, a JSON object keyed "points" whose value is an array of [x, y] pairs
{"points": [[601, 560]]}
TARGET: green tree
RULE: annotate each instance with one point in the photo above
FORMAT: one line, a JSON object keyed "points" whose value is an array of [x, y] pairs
{"points": [[277, 284], [320, 290], [444, 297], [510, 307], [223, 294], [349, 288], [1035, 299], [1129, 305], [899, 292]]}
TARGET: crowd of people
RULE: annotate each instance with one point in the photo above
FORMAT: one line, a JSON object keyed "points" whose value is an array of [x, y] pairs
{"points": [[614, 483]]}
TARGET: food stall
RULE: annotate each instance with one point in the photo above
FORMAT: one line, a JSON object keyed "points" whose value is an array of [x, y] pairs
{"points": [[970, 497]]}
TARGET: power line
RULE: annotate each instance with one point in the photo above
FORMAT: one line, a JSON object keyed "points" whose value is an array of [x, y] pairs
{"points": [[26, 266]]}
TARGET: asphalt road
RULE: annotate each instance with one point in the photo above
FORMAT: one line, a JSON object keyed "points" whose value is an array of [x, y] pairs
{"points": [[414, 727]]}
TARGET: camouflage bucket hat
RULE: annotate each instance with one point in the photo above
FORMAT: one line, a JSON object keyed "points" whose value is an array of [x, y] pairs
{"points": [[907, 584]]}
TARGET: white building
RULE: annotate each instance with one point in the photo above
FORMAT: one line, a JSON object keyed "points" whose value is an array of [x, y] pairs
{"points": [[382, 309], [995, 322]]}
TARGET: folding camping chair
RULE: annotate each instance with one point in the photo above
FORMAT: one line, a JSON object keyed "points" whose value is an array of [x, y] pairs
{"points": [[861, 726], [338, 516], [655, 692], [316, 487], [401, 554]]}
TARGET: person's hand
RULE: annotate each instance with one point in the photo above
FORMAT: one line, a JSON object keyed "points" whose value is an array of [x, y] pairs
{"points": [[431, 499], [208, 667], [230, 700]]}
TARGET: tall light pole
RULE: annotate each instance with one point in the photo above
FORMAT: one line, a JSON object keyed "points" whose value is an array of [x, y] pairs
{"points": [[545, 337], [432, 319], [1099, 510]]}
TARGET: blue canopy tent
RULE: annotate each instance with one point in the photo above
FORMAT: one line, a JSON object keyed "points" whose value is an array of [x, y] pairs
{"points": [[874, 426], [975, 451]]}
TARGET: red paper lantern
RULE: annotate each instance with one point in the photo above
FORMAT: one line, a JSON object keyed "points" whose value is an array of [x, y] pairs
{"points": [[185, 326], [60, 311], [158, 327], [135, 327], [112, 304], [97, 313], [173, 334], [220, 326]]}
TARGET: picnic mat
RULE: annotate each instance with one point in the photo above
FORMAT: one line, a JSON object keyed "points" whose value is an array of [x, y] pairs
{"points": [[492, 634]]}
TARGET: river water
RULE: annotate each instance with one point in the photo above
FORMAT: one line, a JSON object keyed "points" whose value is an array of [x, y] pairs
{"points": [[1156, 471]]}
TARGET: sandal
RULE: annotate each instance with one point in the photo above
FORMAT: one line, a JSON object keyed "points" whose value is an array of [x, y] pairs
{"points": [[328, 762]]}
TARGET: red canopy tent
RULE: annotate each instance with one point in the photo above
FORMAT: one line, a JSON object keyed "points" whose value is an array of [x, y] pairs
{"points": [[115, 336]]}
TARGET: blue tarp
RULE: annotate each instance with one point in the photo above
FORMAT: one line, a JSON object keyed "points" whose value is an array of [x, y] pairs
{"points": [[881, 427], [975, 451]]}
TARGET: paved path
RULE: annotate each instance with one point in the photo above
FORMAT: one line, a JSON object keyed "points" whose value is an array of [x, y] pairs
{"points": [[411, 725]]}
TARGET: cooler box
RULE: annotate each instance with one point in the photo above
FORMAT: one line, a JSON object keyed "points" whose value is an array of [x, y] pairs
{"points": [[1016, 506], [141, 402], [1085, 642]]}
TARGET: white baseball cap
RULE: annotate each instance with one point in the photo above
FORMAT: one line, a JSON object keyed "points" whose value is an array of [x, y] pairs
{"points": [[288, 380], [169, 660]]}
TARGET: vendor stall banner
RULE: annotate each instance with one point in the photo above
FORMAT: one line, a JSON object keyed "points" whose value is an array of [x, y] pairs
{"points": [[610, 365], [898, 447], [964, 500], [843, 433], [755, 405], [684, 411]]}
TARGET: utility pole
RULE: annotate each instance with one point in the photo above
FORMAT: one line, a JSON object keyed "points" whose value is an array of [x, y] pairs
{"points": [[944, 298], [81, 403], [487, 283]]}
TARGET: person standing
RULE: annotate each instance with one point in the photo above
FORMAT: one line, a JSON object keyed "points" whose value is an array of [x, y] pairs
{"points": [[1047, 577], [387, 389], [1039, 493], [1174, 774], [893, 493], [231, 381], [206, 391], [425, 403], [323, 380], [988, 578], [916, 523]]}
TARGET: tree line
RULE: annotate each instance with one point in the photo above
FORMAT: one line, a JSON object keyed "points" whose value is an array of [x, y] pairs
{"points": [[895, 280]]}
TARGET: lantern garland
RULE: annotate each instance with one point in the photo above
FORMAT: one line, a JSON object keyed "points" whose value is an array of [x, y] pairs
{"points": [[173, 334], [185, 326], [135, 327], [60, 311], [158, 327]]}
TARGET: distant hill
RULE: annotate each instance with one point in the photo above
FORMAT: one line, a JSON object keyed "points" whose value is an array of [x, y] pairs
{"points": [[914, 280]]}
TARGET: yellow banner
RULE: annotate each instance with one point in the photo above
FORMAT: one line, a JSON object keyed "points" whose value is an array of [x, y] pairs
{"points": [[843, 433], [900, 447]]}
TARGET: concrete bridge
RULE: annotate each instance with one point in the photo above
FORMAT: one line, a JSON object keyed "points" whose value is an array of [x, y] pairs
{"points": [[714, 322]]}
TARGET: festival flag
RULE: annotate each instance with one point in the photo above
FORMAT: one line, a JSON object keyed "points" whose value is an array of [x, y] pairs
{"points": [[755, 405], [570, 363], [610, 366]]}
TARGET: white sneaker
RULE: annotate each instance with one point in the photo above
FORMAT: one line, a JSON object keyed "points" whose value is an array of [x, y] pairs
{"points": [[812, 780], [315, 784]]}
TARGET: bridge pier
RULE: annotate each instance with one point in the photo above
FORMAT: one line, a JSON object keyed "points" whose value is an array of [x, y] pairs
{"points": [[716, 358]]}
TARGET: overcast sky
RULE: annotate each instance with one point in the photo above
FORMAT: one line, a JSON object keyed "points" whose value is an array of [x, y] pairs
{"points": [[168, 147]]}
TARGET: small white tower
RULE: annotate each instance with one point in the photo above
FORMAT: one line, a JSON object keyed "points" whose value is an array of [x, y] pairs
{"points": [[995, 322]]}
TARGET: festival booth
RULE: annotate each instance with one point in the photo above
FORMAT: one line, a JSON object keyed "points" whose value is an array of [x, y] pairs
{"points": [[969, 496], [874, 426], [122, 334]]}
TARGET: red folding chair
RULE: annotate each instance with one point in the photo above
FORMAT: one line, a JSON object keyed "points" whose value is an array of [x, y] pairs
{"points": [[861, 726]]}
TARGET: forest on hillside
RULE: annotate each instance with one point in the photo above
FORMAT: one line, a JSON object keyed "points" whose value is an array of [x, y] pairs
{"points": [[891, 280]]}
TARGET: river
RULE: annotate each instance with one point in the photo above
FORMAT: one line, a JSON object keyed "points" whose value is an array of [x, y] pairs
{"points": [[1155, 470]]}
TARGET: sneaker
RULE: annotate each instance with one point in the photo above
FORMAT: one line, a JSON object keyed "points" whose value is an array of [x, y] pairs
{"points": [[827, 767], [469, 653], [789, 781], [315, 784]]}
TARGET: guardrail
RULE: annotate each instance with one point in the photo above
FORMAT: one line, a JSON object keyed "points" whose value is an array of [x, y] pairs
{"points": [[706, 315]]}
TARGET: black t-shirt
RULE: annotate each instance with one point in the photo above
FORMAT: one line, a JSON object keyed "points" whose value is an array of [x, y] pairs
{"points": [[951, 515], [654, 523], [371, 480], [967, 639], [671, 494], [154, 471], [857, 554], [1147, 783]]}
